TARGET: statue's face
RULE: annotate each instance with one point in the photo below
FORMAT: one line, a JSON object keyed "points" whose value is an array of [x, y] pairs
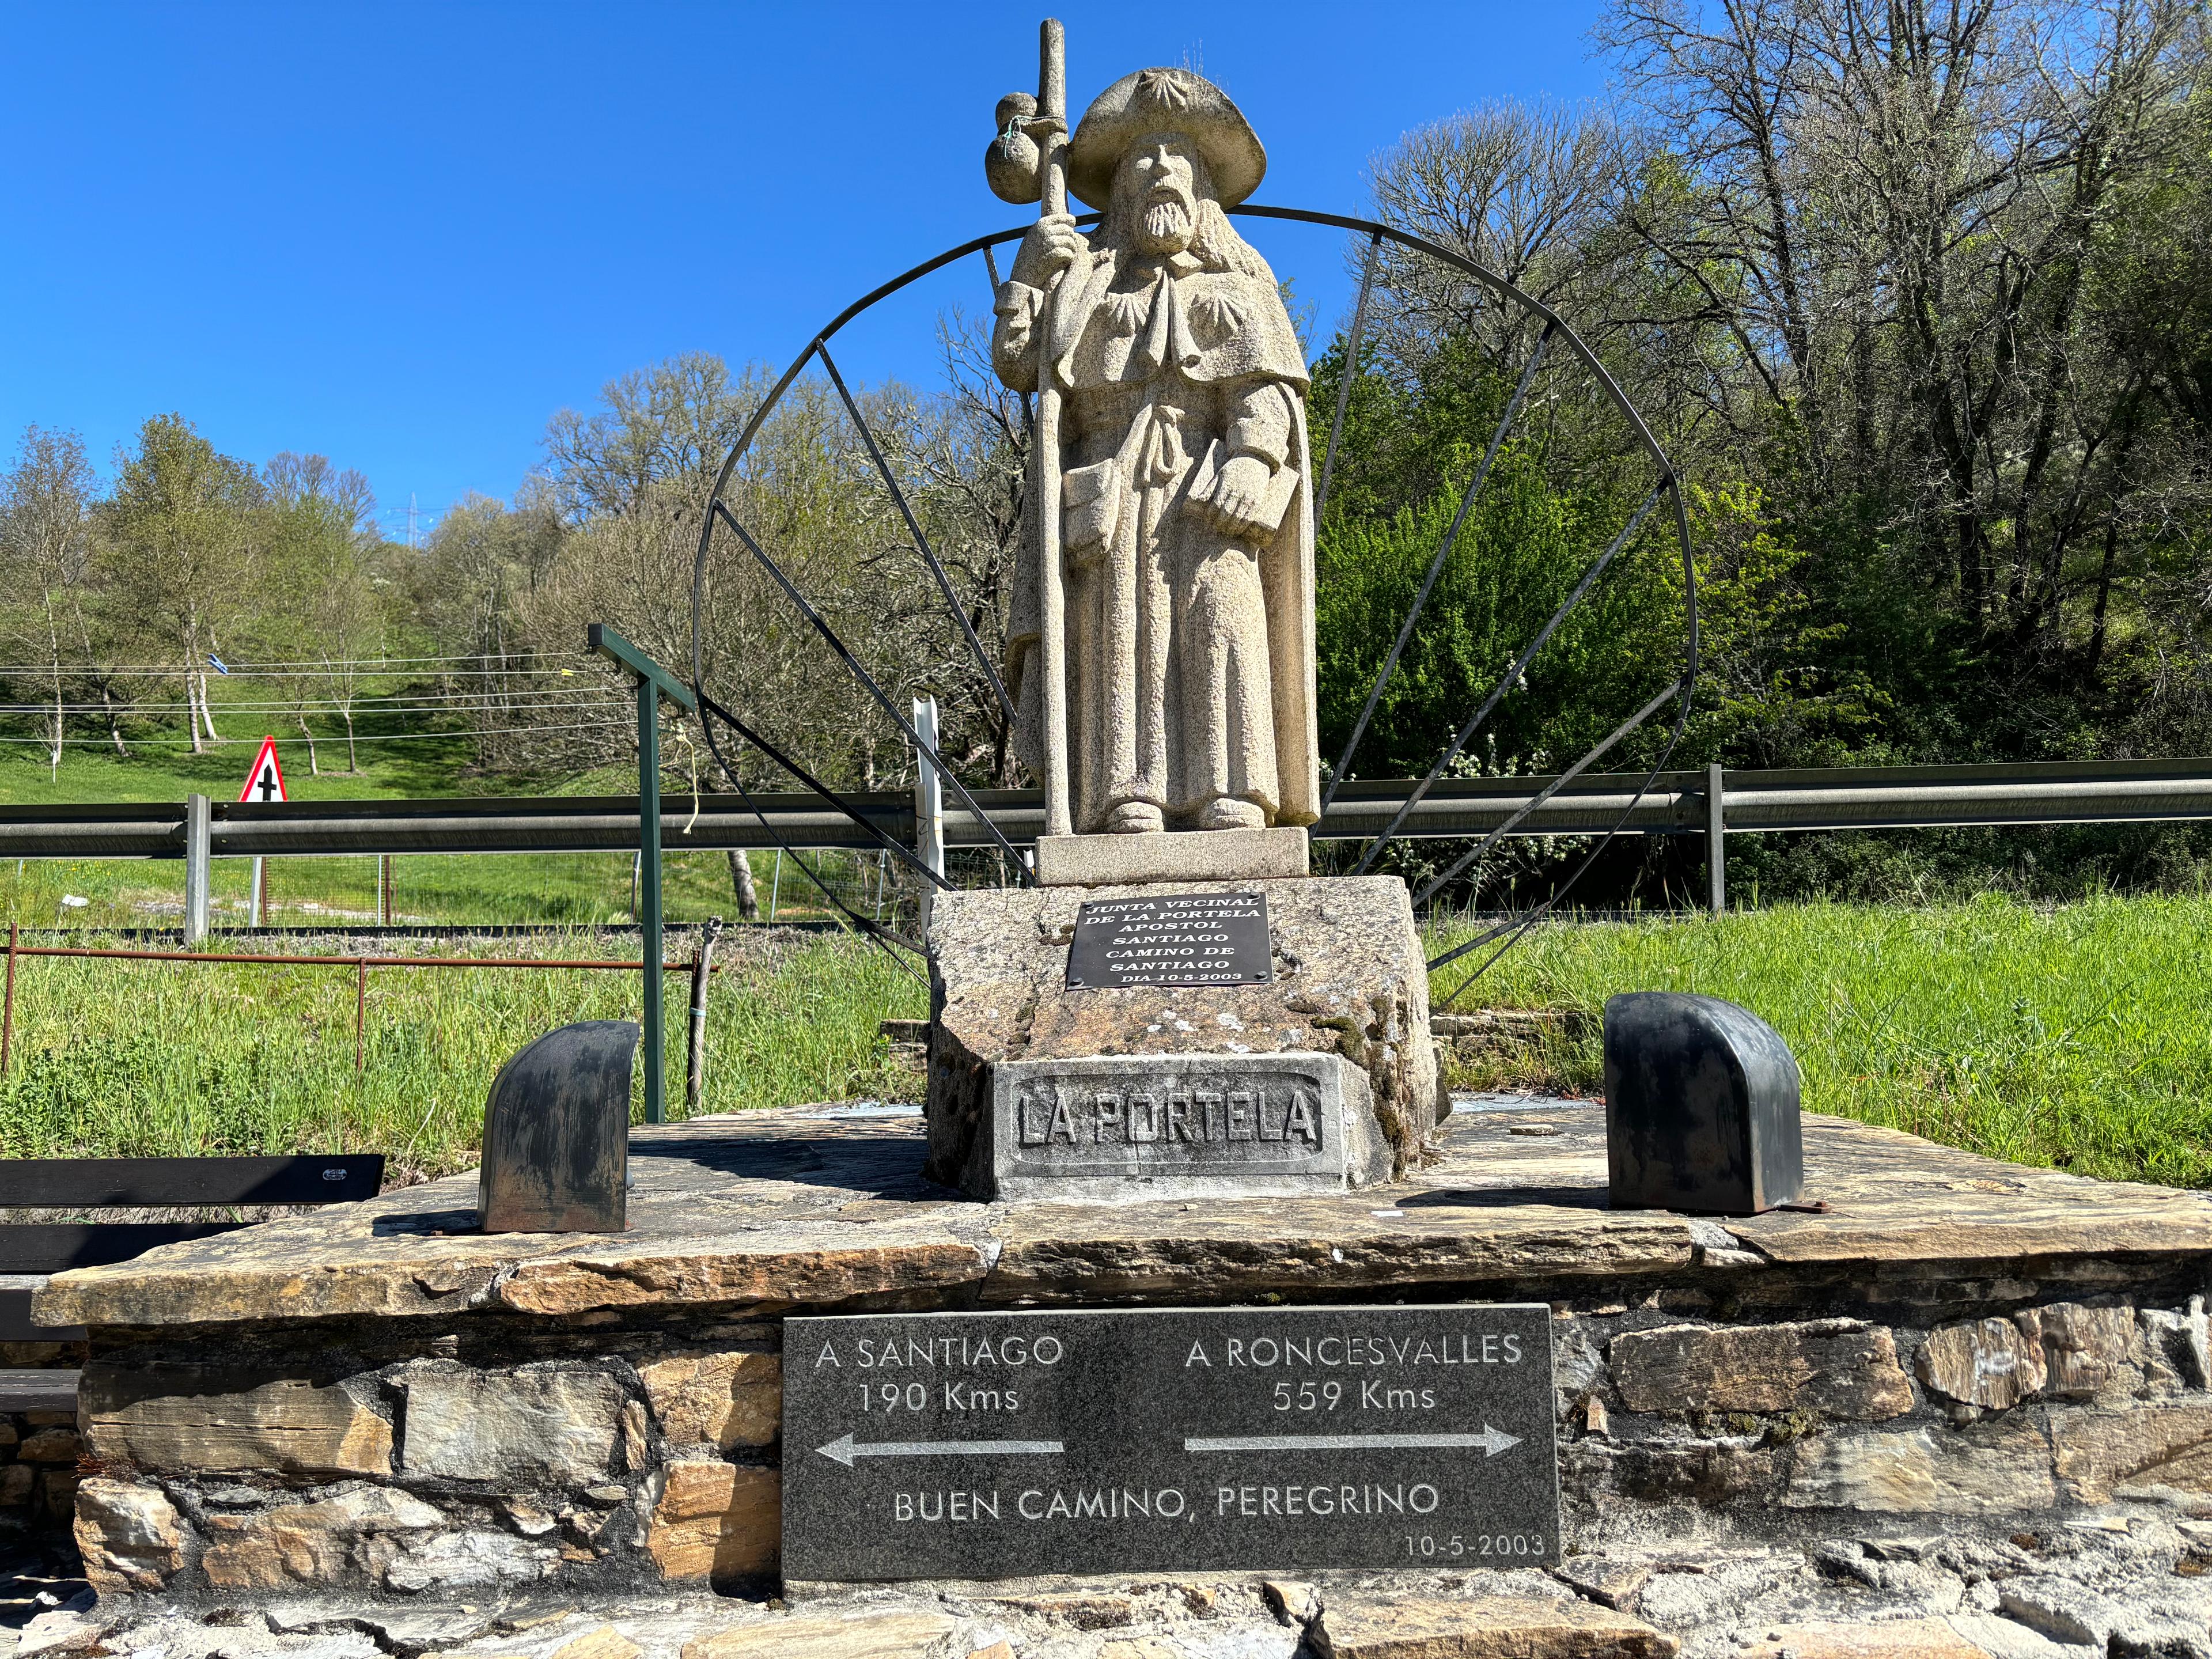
{"points": [[1157, 179]]}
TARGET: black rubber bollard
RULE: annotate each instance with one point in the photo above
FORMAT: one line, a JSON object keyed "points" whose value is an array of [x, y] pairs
{"points": [[556, 1134], [1701, 1103]]}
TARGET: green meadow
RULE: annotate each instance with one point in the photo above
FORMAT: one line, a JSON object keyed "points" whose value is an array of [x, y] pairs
{"points": [[2078, 1036], [112, 1058], [558, 889]]}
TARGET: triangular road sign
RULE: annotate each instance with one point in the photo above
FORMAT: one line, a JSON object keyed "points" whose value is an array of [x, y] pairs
{"points": [[266, 781]]}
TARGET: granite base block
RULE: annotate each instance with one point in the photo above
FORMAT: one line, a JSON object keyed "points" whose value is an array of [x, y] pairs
{"points": [[1348, 982], [1171, 855], [1110, 1128]]}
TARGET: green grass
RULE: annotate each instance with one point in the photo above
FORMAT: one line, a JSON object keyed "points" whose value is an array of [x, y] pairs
{"points": [[116, 1057], [558, 889], [555, 889], [161, 768], [2079, 1037], [113, 1058]]}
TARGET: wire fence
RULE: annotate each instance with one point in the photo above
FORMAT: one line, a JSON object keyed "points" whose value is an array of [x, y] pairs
{"points": [[359, 965]]}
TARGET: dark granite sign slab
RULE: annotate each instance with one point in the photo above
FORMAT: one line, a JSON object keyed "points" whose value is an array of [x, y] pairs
{"points": [[1186, 938], [1112, 1127], [996, 1445]]}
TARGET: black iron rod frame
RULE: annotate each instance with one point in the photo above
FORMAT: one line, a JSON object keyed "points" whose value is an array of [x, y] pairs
{"points": [[1377, 232], [1510, 679], [1517, 928], [1536, 801], [867, 925], [1352, 342], [1521, 926], [890, 842], [828, 635], [1666, 469], [1435, 570], [913, 528]]}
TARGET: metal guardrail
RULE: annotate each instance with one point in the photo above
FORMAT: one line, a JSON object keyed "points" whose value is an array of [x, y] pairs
{"points": [[1679, 803], [1751, 802]]}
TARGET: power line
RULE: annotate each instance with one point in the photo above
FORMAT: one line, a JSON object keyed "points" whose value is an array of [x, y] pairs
{"points": [[385, 737], [460, 701], [296, 662], [259, 670]]}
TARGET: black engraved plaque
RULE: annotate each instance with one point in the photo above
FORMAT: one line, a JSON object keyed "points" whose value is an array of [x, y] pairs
{"points": [[1186, 938], [998, 1445]]}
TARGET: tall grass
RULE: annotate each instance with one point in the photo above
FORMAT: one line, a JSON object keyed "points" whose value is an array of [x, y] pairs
{"points": [[2079, 1037], [437, 889], [115, 1058]]}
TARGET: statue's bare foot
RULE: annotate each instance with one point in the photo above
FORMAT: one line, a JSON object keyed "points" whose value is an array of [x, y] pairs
{"points": [[1227, 813], [1134, 817]]}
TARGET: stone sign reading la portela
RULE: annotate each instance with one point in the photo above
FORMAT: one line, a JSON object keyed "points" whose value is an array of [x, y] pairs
{"points": [[1179, 938], [1105, 1128], [991, 1445]]}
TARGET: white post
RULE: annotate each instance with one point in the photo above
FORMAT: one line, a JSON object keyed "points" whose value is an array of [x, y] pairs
{"points": [[196, 869], [776, 887], [260, 892], [928, 805], [1716, 838]]}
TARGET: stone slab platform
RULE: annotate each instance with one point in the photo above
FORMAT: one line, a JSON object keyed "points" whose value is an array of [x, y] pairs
{"points": [[823, 1207], [1966, 1396]]}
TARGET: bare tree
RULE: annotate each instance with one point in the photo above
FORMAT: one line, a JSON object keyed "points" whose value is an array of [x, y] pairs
{"points": [[1521, 189], [676, 419], [1894, 213], [323, 621]]}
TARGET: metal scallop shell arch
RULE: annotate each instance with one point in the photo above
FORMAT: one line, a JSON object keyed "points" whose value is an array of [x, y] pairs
{"points": [[1665, 491]]}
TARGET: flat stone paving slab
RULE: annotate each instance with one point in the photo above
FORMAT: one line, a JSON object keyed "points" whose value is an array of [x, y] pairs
{"points": [[814, 1206]]}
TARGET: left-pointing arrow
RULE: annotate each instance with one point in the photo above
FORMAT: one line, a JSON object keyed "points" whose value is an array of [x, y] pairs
{"points": [[843, 1449]]}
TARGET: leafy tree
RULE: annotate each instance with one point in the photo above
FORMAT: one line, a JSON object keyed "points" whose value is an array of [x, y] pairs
{"points": [[177, 546]]}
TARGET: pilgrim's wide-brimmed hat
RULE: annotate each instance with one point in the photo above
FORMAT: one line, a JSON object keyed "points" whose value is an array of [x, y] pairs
{"points": [[1164, 100]]}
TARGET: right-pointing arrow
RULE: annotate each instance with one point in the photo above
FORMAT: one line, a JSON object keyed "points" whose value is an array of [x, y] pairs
{"points": [[1492, 1442]]}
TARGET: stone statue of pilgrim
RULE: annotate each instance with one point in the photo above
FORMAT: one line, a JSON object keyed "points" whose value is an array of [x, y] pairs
{"points": [[1187, 540]]}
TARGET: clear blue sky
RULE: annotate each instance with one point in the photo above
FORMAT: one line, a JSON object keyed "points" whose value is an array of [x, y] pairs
{"points": [[405, 235]]}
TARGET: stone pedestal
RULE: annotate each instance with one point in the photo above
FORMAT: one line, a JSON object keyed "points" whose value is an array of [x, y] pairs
{"points": [[1186, 855], [1324, 1079]]}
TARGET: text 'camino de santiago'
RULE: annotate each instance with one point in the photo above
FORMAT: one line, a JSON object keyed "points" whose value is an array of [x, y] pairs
{"points": [[1199, 939]]}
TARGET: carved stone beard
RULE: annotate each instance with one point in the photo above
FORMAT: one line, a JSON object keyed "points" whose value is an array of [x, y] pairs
{"points": [[1166, 227]]}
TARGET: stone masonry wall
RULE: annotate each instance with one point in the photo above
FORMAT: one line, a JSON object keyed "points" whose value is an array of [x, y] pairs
{"points": [[499, 1458], [38, 1468], [1784, 1408], [2054, 1406], [37, 1449]]}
